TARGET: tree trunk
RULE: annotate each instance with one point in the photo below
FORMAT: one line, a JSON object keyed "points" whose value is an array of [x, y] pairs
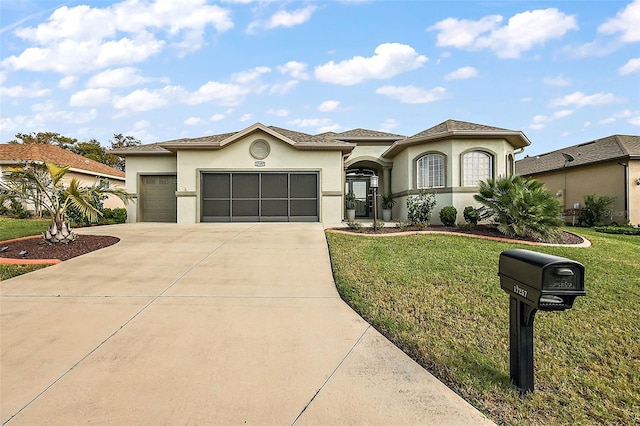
{"points": [[62, 234]]}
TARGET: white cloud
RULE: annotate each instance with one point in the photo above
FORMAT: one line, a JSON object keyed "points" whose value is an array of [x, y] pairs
{"points": [[284, 88], [618, 116], [390, 59], [540, 121], [462, 73], [389, 125], [626, 23], [67, 82], [217, 117], [142, 100], [118, 77], [329, 106], [297, 70], [245, 117], [250, 76], [579, 99], [558, 81], [24, 92], [311, 122], [329, 128], [284, 18], [632, 66], [634, 121], [220, 93], [412, 94], [278, 112], [194, 121], [82, 38], [90, 97], [522, 32]]}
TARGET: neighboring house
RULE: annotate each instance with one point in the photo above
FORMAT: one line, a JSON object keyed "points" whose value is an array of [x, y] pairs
{"points": [[608, 166], [87, 171], [266, 173]]}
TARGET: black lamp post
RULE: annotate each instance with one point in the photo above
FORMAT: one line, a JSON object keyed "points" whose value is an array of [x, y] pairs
{"points": [[374, 185]]}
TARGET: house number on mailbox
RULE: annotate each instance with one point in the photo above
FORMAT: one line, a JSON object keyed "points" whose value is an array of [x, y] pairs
{"points": [[520, 291]]}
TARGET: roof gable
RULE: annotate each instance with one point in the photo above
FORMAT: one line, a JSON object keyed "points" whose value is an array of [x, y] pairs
{"points": [[53, 154], [298, 140], [458, 129], [610, 148], [451, 126]]}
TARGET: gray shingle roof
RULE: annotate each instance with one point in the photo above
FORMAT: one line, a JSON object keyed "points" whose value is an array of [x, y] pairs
{"points": [[366, 133], [457, 126], [600, 150]]}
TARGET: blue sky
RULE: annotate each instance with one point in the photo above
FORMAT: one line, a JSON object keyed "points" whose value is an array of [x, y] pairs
{"points": [[563, 72]]}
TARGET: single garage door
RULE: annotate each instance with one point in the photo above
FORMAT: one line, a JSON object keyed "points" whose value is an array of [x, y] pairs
{"points": [[259, 197], [158, 202]]}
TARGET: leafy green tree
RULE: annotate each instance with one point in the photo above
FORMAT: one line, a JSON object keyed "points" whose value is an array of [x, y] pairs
{"points": [[121, 141], [521, 207], [44, 186], [93, 150], [44, 138]]}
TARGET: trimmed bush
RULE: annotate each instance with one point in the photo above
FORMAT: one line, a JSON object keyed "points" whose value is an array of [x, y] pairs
{"points": [[420, 207], [471, 215], [448, 215], [622, 230]]}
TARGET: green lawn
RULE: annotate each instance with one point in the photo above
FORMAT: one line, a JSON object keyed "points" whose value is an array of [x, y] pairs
{"points": [[438, 298], [16, 228]]}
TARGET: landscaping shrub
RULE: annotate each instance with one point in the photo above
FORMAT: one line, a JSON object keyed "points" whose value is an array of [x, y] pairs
{"points": [[623, 230], [420, 207], [448, 215], [403, 225], [595, 209], [355, 226], [471, 215], [113, 216], [521, 207]]}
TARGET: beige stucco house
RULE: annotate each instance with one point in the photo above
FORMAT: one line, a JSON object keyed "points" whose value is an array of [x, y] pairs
{"points": [[88, 172], [608, 166], [266, 173]]}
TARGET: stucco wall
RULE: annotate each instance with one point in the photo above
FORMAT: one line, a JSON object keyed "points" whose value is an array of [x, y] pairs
{"points": [[282, 157], [572, 184], [141, 165], [404, 173]]}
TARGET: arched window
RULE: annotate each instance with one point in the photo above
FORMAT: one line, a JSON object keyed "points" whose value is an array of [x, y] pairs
{"points": [[430, 171], [476, 166]]}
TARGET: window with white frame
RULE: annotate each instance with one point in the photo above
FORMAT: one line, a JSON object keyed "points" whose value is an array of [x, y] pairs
{"points": [[430, 171], [476, 166]]}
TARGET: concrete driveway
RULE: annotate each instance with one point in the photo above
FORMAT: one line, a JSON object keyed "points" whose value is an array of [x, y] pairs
{"points": [[225, 324]]}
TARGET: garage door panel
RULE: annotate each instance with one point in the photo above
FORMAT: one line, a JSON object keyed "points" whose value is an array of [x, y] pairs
{"points": [[264, 196], [158, 202]]}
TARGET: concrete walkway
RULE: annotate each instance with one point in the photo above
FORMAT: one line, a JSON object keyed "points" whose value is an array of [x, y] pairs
{"points": [[210, 324]]}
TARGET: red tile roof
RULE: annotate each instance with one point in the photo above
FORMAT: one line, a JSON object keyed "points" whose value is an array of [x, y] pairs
{"points": [[53, 154]]}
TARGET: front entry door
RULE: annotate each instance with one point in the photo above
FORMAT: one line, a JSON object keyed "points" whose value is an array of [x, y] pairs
{"points": [[360, 187]]}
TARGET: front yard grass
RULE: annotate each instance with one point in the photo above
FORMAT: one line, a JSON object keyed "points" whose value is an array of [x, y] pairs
{"points": [[17, 228], [438, 298]]}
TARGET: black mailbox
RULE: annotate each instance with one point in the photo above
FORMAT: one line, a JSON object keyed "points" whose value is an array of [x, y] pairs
{"points": [[534, 281], [542, 281]]}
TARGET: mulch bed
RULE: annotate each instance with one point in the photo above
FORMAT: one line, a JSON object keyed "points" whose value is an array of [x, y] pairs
{"points": [[481, 230], [38, 249]]}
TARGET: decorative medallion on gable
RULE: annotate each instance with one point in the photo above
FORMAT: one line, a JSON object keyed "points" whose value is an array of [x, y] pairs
{"points": [[259, 149]]}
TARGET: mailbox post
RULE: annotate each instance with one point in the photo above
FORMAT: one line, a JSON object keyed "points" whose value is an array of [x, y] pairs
{"points": [[534, 281]]}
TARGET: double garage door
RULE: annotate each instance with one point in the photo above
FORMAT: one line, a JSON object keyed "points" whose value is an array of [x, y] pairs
{"points": [[259, 197]]}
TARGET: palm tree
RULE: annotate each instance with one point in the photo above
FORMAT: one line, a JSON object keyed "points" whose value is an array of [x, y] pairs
{"points": [[43, 187], [521, 207]]}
